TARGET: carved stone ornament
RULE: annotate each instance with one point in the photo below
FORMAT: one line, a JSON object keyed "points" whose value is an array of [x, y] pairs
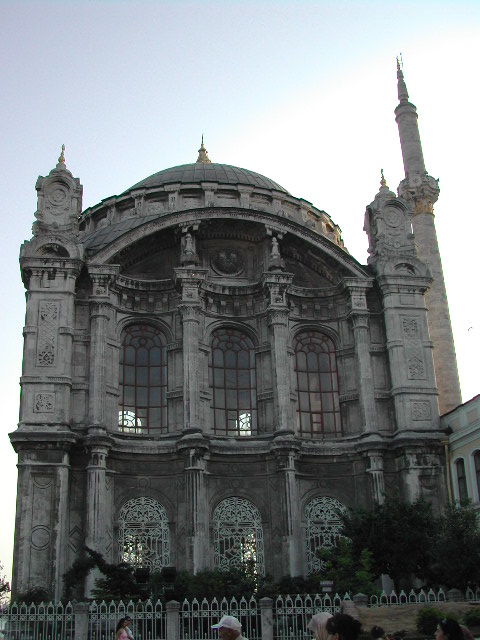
{"points": [[421, 411], [44, 403], [228, 261], [47, 334]]}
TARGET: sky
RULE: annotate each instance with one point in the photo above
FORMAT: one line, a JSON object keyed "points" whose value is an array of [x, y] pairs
{"points": [[303, 92]]}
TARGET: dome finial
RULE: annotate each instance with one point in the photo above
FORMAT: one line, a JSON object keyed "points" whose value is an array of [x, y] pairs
{"points": [[401, 86], [61, 159], [203, 154]]}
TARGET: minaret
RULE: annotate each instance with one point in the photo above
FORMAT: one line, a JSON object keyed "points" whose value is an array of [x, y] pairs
{"points": [[423, 190]]}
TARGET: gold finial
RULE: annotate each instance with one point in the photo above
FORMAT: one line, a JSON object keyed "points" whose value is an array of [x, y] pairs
{"points": [[383, 182], [203, 154], [400, 62], [61, 159]]}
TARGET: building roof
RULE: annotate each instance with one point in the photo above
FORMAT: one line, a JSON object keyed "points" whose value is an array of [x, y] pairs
{"points": [[198, 172]]}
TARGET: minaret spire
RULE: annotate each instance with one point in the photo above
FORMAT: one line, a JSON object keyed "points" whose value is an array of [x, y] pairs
{"points": [[203, 154], [422, 191]]}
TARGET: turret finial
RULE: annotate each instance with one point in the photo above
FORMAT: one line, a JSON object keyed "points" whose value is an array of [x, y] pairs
{"points": [[61, 159], [402, 87], [383, 182], [203, 154]]}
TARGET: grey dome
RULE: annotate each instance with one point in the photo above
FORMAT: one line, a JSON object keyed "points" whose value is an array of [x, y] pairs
{"points": [[207, 172]]}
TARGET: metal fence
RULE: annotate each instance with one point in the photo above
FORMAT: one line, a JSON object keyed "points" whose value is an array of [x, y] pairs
{"points": [[284, 618]]}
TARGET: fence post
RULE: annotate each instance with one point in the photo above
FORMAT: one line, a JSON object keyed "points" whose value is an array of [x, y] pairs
{"points": [[266, 613], [80, 610], [173, 622]]}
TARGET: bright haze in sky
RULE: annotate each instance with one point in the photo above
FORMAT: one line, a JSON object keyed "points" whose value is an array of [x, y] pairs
{"points": [[302, 92]]}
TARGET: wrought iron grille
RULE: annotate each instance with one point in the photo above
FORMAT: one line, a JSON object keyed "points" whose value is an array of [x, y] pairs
{"points": [[323, 528], [143, 536], [238, 535], [39, 621], [197, 618], [148, 619]]}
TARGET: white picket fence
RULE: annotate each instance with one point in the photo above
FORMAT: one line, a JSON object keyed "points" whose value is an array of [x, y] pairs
{"points": [[284, 618]]}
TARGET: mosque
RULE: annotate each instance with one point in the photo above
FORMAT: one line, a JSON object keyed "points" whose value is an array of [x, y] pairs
{"points": [[209, 376]]}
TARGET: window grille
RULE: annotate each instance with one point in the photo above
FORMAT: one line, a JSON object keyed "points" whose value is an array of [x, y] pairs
{"points": [[238, 535], [143, 381], [318, 409], [233, 382], [461, 480], [143, 537], [323, 520]]}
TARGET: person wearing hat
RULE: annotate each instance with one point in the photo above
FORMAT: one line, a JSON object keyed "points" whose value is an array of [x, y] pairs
{"points": [[229, 628]]}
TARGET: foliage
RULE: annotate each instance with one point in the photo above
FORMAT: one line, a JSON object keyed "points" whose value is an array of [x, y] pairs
{"points": [[456, 548], [349, 572], [74, 578], [397, 533], [4, 587], [472, 617], [428, 619], [36, 595]]}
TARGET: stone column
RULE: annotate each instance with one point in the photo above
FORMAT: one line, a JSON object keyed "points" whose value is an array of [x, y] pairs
{"points": [[286, 451], [97, 511], [100, 310], [276, 285], [196, 521], [376, 473], [189, 281], [359, 315]]}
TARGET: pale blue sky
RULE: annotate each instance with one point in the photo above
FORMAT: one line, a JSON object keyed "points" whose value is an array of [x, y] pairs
{"points": [[302, 92]]}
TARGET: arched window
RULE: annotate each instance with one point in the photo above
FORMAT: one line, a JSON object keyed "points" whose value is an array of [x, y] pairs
{"points": [[238, 535], [476, 463], [143, 539], [323, 528], [318, 410], [461, 480], [233, 383], [143, 381]]}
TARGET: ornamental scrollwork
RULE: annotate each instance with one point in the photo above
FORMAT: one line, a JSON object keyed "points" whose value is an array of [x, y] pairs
{"points": [[323, 520]]}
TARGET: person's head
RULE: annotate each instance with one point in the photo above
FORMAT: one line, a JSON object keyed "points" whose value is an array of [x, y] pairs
{"points": [[341, 626], [448, 629], [377, 632], [229, 628], [122, 623], [317, 625]]}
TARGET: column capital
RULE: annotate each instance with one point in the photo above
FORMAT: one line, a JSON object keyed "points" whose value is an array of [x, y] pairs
{"points": [[277, 314]]}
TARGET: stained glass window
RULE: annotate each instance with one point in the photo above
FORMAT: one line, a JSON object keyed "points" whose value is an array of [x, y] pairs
{"points": [[143, 381], [318, 409], [323, 527], [233, 383], [461, 480], [143, 538], [238, 535]]}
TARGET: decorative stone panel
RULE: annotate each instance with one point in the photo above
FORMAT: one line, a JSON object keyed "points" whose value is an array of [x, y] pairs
{"points": [[44, 402], [48, 315]]}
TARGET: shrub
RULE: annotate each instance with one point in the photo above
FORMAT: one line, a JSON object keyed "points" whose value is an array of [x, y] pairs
{"points": [[472, 617], [427, 620]]}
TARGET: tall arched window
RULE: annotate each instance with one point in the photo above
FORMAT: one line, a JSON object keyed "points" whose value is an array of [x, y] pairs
{"points": [[143, 381], [238, 535], [323, 528], [318, 410], [476, 462], [461, 480], [233, 383], [143, 539]]}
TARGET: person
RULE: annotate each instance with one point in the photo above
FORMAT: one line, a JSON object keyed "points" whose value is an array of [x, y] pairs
{"points": [[317, 625], [448, 629], [127, 628], [122, 629], [229, 628], [342, 626]]}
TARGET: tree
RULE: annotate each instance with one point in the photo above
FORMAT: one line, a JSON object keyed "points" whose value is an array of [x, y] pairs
{"points": [[456, 550], [349, 572], [4, 587], [398, 534]]}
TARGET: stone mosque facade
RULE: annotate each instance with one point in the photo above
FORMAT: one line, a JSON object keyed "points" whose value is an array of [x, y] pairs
{"points": [[209, 377]]}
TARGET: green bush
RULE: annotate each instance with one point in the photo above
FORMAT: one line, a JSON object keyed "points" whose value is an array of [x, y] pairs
{"points": [[472, 617], [428, 619]]}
